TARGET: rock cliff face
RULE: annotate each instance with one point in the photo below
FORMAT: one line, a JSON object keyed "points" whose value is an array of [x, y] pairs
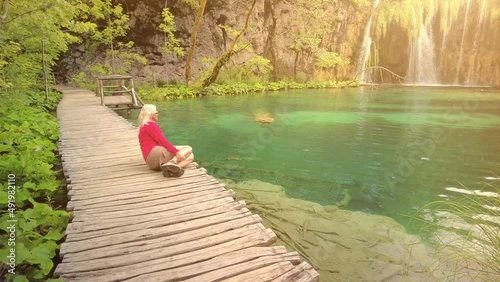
{"points": [[465, 54], [269, 18]]}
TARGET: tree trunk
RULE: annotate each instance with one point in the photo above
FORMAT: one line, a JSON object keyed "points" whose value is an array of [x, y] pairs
{"points": [[271, 39], [5, 8], [295, 64], [224, 58], [194, 34], [113, 68], [44, 68]]}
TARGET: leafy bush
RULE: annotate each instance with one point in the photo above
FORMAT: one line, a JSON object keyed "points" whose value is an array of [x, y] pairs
{"points": [[28, 154], [167, 92], [301, 77]]}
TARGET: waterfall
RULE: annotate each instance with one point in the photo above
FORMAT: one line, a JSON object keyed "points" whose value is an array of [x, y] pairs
{"points": [[460, 55], [422, 67], [366, 48], [445, 32], [475, 44]]}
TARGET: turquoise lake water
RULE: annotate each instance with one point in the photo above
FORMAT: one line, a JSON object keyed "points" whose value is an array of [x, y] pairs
{"points": [[386, 152]]}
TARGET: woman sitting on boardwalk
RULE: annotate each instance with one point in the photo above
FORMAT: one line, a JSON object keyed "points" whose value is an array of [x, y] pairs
{"points": [[157, 151]]}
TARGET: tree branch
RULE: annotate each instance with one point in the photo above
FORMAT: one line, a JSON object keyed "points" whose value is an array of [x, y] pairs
{"points": [[224, 58], [5, 8], [42, 8], [400, 78]]}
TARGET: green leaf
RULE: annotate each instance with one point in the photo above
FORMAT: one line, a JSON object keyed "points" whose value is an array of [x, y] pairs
{"points": [[44, 253], [22, 253], [3, 197], [20, 278], [4, 222], [27, 224], [54, 234], [4, 252], [21, 196], [29, 185]]}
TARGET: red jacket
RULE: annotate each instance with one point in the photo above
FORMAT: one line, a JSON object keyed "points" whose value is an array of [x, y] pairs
{"points": [[150, 135]]}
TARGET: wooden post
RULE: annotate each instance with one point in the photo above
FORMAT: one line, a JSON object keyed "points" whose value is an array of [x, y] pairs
{"points": [[101, 90], [98, 89], [134, 97]]}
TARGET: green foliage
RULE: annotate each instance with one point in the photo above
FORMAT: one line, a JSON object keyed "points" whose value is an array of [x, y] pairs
{"points": [[314, 21], [105, 24], [301, 77], [172, 45], [257, 69], [27, 24], [194, 4], [360, 3], [28, 151], [227, 89], [127, 58], [114, 23], [328, 60], [243, 88], [167, 92], [411, 15], [80, 80]]}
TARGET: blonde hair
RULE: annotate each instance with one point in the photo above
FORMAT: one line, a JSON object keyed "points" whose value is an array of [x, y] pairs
{"points": [[146, 112]]}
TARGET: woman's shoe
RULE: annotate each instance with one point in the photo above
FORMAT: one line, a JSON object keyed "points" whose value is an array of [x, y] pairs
{"points": [[170, 169]]}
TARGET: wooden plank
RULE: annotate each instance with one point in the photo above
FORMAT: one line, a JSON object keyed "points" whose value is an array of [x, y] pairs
{"points": [[302, 272], [117, 100], [233, 258], [130, 191], [167, 218], [266, 273], [144, 206], [151, 217], [122, 269], [86, 216], [175, 226], [244, 267], [142, 196], [79, 193], [163, 248], [96, 246], [132, 177], [81, 186], [146, 199]]}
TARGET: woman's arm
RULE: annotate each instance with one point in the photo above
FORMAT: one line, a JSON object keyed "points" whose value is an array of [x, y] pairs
{"points": [[158, 136]]}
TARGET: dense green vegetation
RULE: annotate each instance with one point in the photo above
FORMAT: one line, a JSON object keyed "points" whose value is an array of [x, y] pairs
{"points": [[168, 92], [31, 191], [32, 196]]}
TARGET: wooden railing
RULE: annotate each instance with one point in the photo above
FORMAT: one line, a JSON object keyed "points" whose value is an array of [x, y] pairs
{"points": [[118, 90]]}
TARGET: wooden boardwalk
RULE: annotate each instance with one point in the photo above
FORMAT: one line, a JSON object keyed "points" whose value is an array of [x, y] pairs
{"points": [[133, 224]]}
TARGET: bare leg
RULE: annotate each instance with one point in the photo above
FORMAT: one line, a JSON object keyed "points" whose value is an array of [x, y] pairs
{"points": [[187, 151], [165, 156]]}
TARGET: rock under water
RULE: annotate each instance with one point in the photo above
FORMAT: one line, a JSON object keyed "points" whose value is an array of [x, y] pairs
{"points": [[345, 245]]}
